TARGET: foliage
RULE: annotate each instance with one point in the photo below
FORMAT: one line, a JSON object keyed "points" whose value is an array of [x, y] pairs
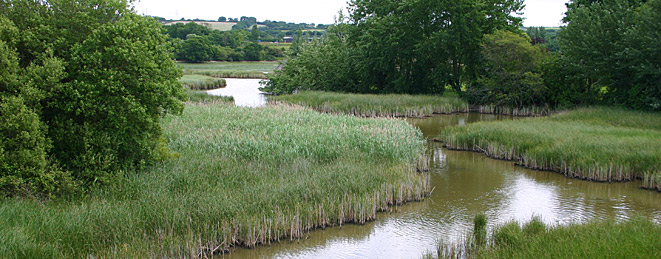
{"points": [[599, 144], [241, 177], [195, 49], [612, 43], [92, 82], [511, 72], [196, 43], [411, 46]]}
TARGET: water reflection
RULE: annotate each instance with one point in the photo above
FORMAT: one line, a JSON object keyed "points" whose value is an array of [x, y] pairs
{"points": [[467, 183], [244, 91]]}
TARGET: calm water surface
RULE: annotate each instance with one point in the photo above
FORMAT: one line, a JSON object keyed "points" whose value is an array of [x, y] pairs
{"points": [[244, 91], [467, 183]]}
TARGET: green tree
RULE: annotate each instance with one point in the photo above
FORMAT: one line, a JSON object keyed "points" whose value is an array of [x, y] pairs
{"points": [[254, 34], [511, 74], [643, 55], [595, 40], [92, 82], [415, 46], [195, 49]]}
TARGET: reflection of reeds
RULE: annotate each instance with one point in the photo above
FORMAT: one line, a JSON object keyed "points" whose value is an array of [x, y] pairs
{"points": [[369, 105], [598, 144], [240, 176]]}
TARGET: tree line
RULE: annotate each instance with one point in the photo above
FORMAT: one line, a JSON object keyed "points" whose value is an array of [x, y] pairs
{"points": [[607, 53], [197, 43]]}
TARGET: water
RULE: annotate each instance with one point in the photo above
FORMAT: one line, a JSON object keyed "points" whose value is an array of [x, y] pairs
{"points": [[244, 91], [465, 184]]}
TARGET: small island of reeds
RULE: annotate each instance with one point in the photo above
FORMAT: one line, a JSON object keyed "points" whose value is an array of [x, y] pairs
{"points": [[598, 144], [372, 105]]}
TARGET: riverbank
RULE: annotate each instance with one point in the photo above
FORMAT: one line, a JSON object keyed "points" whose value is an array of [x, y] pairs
{"points": [[370, 105], [634, 238], [597, 144], [237, 176], [200, 82]]}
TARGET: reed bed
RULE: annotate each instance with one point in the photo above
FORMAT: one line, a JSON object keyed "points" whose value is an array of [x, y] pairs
{"points": [[370, 105], [598, 144], [231, 74], [196, 96], [238, 176], [534, 111], [201, 82], [634, 238]]}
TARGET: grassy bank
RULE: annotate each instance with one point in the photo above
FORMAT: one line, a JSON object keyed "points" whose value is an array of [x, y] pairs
{"points": [[201, 82], [256, 70], [238, 176], [203, 97], [599, 144], [369, 105], [636, 238]]}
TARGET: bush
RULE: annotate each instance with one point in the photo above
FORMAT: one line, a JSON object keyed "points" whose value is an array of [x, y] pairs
{"points": [[83, 86]]}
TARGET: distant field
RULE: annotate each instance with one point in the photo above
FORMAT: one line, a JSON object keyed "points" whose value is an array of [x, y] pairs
{"points": [[259, 66], [221, 26], [257, 69]]}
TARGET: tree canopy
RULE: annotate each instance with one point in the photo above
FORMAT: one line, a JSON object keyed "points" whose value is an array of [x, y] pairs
{"points": [[89, 81], [409, 46]]}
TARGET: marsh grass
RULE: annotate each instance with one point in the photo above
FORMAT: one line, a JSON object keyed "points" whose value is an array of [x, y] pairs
{"points": [[370, 105], [201, 82], [534, 111], [598, 144], [635, 238], [195, 96], [240, 176]]}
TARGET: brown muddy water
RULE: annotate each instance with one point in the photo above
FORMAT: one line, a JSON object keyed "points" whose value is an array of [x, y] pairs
{"points": [[465, 184]]}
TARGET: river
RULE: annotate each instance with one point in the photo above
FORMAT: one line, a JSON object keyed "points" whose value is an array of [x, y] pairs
{"points": [[465, 184]]}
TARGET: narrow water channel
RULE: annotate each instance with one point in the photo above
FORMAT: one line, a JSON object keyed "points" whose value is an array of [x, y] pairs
{"points": [[467, 183]]}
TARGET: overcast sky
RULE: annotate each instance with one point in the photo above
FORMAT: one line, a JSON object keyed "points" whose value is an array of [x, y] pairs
{"points": [[537, 13]]}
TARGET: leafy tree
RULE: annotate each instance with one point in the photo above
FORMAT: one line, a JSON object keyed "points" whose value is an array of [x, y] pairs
{"points": [[254, 34], [416, 46], [609, 42], [643, 55], [181, 30], [86, 89], [195, 49], [222, 19], [537, 35], [253, 52], [511, 74]]}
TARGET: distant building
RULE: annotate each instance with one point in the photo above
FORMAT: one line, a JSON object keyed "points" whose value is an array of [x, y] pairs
{"points": [[288, 39]]}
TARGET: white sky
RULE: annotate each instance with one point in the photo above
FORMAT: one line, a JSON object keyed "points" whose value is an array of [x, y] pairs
{"points": [[538, 12]]}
